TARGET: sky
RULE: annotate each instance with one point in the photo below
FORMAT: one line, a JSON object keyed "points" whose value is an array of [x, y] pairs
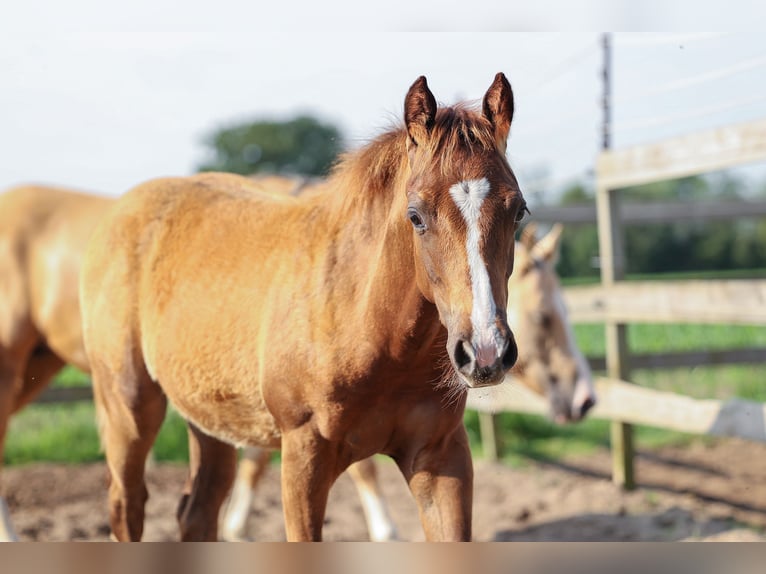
{"points": [[102, 98]]}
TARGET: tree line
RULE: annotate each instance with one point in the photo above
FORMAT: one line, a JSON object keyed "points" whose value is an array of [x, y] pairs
{"points": [[672, 247]]}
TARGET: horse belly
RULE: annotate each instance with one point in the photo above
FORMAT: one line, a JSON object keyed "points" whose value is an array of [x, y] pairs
{"points": [[236, 419]]}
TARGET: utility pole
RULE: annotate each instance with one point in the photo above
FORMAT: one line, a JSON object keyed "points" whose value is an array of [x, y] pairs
{"points": [[606, 44], [612, 257]]}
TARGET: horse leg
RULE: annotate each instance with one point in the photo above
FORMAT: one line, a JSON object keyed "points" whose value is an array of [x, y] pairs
{"points": [[9, 382], [309, 468], [212, 473], [130, 412], [194, 461], [441, 480], [254, 462], [12, 363], [41, 368], [15, 392], [379, 524]]}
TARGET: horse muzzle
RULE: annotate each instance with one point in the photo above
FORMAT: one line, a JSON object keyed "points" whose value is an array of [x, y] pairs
{"points": [[484, 363]]}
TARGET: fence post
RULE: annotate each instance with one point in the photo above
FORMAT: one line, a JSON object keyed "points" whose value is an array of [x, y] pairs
{"points": [[612, 259], [487, 429]]}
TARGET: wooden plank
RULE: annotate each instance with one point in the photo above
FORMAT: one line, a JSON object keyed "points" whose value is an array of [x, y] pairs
{"points": [[638, 405], [654, 212], [674, 211], [690, 154], [581, 214], [749, 355], [735, 301]]}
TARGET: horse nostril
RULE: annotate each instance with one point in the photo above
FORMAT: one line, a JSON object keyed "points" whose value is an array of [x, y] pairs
{"points": [[463, 354], [510, 354], [586, 406]]}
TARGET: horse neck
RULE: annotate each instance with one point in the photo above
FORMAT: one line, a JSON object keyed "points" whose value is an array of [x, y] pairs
{"points": [[374, 247]]}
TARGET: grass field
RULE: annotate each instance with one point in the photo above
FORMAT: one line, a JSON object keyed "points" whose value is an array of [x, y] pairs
{"points": [[67, 433]]}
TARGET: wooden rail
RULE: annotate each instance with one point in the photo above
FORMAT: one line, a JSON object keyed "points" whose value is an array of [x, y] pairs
{"points": [[653, 212], [740, 301], [690, 154], [619, 400]]}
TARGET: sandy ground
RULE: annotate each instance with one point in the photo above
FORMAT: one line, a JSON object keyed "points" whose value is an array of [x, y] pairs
{"points": [[715, 492]]}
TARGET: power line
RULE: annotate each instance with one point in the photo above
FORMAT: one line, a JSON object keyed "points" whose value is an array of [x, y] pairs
{"points": [[544, 184], [563, 67], [557, 125], [683, 83], [654, 121], [632, 39]]}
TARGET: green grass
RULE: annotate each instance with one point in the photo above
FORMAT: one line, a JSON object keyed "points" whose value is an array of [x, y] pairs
{"points": [[662, 338], [56, 433], [674, 276], [71, 377], [713, 382], [67, 433]]}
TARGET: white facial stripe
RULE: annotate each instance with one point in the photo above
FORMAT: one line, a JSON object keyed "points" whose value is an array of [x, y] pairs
{"points": [[469, 197], [584, 382]]}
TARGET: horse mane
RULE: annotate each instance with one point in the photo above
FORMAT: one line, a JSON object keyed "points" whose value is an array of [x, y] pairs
{"points": [[379, 167]]}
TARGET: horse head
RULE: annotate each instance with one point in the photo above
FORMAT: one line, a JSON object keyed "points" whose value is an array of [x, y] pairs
{"points": [[464, 204]]}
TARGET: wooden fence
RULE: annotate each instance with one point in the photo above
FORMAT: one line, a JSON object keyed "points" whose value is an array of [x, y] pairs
{"points": [[619, 303]]}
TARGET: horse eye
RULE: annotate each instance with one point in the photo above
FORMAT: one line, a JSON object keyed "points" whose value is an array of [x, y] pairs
{"points": [[521, 212], [416, 220]]}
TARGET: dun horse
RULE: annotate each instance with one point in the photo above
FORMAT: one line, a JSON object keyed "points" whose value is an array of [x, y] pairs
{"points": [[549, 363], [43, 232], [334, 326]]}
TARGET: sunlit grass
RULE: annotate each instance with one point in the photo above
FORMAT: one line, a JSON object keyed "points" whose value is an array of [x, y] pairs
{"points": [[67, 433]]}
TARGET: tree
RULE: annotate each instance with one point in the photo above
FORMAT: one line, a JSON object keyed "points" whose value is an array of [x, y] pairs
{"points": [[579, 244], [300, 146]]}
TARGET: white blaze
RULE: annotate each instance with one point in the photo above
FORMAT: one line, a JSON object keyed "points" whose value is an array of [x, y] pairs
{"points": [[584, 385], [469, 197]]}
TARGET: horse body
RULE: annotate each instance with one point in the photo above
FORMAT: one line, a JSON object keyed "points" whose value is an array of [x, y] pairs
{"points": [[43, 232], [335, 358], [318, 323]]}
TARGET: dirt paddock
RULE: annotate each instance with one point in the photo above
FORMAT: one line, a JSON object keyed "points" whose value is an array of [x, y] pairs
{"points": [[701, 491]]}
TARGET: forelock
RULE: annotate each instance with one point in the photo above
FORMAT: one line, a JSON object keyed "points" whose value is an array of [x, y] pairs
{"points": [[459, 133]]}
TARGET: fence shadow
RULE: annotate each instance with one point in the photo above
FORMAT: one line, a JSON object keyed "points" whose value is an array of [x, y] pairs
{"points": [[670, 525], [734, 501]]}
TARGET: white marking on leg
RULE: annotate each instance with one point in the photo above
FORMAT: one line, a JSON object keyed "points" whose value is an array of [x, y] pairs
{"points": [[379, 523], [237, 511], [469, 197], [7, 533]]}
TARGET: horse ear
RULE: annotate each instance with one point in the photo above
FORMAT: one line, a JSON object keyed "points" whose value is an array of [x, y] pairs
{"points": [[548, 247], [419, 110], [521, 259], [529, 236], [497, 107]]}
